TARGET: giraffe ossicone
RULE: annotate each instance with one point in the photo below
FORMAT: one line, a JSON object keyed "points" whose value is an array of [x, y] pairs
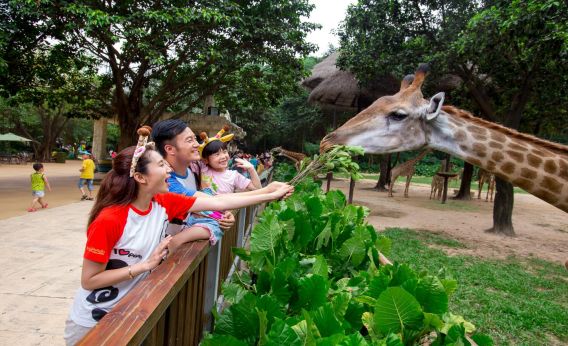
{"points": [[406, 121]]}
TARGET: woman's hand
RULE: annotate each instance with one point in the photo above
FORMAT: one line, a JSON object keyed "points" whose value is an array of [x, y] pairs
{"points": [[227, 221], [158, 254], [284, 191], [273, 186], [240, 163]]}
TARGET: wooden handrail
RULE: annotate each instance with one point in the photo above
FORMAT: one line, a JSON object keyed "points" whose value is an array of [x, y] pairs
{"points": [[134, 317]]}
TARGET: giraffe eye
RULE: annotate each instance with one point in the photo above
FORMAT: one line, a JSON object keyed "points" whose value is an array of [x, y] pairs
{"points": [[397, 115]]}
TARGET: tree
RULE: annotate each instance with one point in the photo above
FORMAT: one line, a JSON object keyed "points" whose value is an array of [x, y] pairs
{"points": [[162, 54], [518, 54], [501, 54]]}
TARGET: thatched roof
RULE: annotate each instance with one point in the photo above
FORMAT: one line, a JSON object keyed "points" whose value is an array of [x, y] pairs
{"points": [[332, 87]]}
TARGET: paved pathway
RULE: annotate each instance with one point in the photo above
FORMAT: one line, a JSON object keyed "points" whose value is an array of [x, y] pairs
{"points": [[40, 257]]}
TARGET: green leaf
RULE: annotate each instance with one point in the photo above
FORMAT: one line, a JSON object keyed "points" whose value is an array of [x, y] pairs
{"points": [[393, 340], [482, 340], [431, 294], [456, 336], [383, 244], [332, 340], [402, 273], [314, 206], [265, 236], [340, 303], [368, 321], [451, 320], [263, 324], [432, 321], [378, 284], [271, 306], [366, 300], [306, 329], [354, 250], [240, 320], [450, 286], [335, 199], [320, 266], [219, 339], [355, 339], [242, 253], [233, 292], [303, 231], [325, 235], [397, 310], [282, 334], [312, 292], [326, 321]]}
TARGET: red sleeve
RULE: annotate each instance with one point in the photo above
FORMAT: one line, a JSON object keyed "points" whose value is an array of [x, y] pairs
{"points": [[103, 233], [177, 205]]}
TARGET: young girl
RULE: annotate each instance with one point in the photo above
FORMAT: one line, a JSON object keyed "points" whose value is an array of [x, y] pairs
{"points": [[215, 179], [39, 182], [126, 230]]}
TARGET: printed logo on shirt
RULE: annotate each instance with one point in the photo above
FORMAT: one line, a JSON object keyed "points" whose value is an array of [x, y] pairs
{"points": [[123, 252], [102, 295], [96, 251]]}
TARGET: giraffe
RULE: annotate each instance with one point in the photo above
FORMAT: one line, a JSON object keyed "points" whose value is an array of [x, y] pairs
{"points": [[436, 187], [486, 177], [406, 121], [405, 169], [292, 155]]}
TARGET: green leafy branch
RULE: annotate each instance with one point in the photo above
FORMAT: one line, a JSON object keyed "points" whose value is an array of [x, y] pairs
{"points": [[337, 159]]}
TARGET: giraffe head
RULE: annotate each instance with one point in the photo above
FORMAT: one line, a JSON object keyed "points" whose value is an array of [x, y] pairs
{"points": [[392, 123], [276, 151]]}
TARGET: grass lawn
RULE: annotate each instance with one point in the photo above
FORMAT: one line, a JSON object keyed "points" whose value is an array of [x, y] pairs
{"points": [[427, 181], [517, 301]]}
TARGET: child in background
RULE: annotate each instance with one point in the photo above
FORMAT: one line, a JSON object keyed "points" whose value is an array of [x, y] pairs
{"points": [[39, 182], [216, 178], [87, 176]]}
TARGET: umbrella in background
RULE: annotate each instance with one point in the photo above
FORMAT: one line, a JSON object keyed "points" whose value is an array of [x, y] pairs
{"points": [[10, 137]]}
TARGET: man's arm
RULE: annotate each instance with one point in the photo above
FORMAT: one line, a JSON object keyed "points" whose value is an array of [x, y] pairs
{"points": [[176, 187]]}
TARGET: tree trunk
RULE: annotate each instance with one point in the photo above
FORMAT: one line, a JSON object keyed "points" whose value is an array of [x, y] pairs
{"points": [[383, 173], [128, 127], [503, 208], [464, 193]]}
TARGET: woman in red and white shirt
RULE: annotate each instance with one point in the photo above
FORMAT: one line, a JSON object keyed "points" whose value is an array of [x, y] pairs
{"points": [[126, 235]]}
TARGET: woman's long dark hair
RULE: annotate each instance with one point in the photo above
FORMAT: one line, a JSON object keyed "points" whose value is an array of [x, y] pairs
{"points": [[118, 188]]}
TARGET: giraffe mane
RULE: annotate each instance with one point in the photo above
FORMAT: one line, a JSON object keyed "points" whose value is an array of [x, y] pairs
{"points": [[555, 147]]}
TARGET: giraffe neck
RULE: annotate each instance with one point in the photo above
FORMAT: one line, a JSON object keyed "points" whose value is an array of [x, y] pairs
{"points": [[292, 155], [535, 165]]}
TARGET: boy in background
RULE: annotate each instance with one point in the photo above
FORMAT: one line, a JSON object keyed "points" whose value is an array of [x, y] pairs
{"points": [[87, 176]]}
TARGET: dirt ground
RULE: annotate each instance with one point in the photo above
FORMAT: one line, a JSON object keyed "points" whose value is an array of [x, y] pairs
{"points": [[16, 195], [541, 229]]}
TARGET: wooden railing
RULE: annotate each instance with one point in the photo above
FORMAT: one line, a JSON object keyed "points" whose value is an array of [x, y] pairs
{"points": [[173, 305]]}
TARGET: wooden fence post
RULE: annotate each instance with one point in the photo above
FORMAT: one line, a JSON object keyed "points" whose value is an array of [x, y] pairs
{"points": [[329, 176], [351, 188], [211, 284]]}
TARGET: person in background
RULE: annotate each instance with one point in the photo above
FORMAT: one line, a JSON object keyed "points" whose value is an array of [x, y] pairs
{"points": [[39, 182], [87, 176]]}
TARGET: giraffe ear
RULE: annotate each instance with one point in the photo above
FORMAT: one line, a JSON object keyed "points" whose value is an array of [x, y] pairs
{"points": [[436, 103]]}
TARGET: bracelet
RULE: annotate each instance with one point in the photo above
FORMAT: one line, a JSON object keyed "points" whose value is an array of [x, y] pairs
{"points": [[130, 272]]}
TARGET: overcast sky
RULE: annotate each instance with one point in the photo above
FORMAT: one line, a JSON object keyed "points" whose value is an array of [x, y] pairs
{"points": [[328, 13]]}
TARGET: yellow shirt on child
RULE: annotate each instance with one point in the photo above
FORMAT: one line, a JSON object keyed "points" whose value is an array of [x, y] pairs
{"points": [[88, 169]]}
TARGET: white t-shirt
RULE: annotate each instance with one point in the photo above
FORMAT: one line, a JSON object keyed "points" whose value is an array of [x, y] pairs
{"points": [[121, 236]]}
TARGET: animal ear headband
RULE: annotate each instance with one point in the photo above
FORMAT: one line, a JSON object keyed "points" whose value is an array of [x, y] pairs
{"points": [[218, 137], [141, 146]]}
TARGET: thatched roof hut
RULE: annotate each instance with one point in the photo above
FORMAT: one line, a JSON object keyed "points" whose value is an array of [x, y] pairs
{"points": [[337, 89]]}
